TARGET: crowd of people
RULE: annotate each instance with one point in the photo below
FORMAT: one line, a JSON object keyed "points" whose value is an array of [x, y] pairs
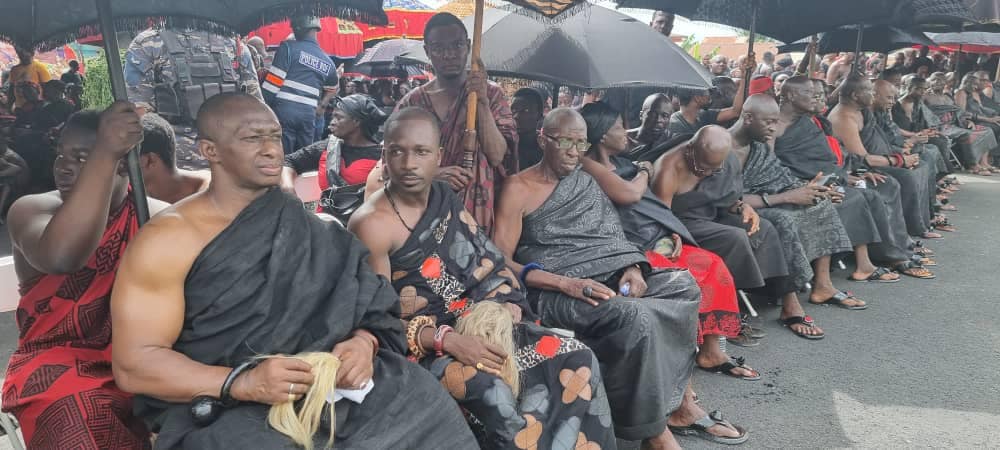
{"points": [[549, 279]]}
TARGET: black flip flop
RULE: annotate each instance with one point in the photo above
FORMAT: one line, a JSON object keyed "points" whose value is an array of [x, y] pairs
{"points": [[903, 267], [875, 277], [700, 429], [804, 320], [839, 298], [733, 363]]}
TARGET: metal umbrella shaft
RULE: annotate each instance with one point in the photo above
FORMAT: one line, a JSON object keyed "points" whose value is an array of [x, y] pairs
{"points": [[753, 37], [117, 75]]}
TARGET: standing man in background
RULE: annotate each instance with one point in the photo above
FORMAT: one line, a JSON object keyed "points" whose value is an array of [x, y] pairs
{"points": [[302, 79]]}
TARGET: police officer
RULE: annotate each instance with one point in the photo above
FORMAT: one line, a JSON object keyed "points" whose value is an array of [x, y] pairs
{"points": [[299, 83], [172, 72]]}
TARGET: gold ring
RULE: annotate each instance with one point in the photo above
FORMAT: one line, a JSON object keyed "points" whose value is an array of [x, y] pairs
{"points": [[479, 366]]}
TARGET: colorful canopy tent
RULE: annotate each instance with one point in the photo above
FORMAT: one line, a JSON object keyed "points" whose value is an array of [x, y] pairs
{"points": [[339, 38], [407, 19]]}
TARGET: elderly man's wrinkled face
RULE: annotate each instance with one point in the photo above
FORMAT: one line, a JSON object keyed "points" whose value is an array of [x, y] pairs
{"points": [[884, 97], [563, 144], [663, 23], [819, 97], [799, 96]]}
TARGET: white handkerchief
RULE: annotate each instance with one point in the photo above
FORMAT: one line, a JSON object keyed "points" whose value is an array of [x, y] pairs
{"points": [[354, 395]]}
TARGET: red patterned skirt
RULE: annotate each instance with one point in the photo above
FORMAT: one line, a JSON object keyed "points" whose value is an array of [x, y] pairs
{"points": [[719, 313]]}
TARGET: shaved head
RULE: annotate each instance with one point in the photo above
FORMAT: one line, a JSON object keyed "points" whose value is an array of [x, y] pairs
{"points": [[760, 116], [760, 103], [563, 141], [712, 144], [797, 93], [798, 82], [410, 114], [222, 113], [885, 95]]}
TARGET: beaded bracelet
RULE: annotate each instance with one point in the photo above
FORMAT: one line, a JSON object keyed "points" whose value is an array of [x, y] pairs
{"points": [[417, 324], [439, 339], [527, 269]]}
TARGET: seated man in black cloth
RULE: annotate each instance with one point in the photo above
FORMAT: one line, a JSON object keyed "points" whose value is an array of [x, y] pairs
{"points": [[242, 270], [696, 112], [855, 124], [872, 214], [444, 267], [561, 232]]}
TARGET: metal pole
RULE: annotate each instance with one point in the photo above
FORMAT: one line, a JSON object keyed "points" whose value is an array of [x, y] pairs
{"points": [[753, 37], [555, 95], [958, 66], [118, 89], [857, 48]]}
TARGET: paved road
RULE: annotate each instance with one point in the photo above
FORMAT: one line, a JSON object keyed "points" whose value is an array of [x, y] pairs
{"points": [[917, 369]]}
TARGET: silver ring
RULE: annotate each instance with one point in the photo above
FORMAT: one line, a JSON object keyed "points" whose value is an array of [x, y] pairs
{"points": [[587, 291], [291, 387]]}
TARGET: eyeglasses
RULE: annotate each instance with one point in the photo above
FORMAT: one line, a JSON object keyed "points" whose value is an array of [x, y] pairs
{"points": [[567, 143], [446, 48]]}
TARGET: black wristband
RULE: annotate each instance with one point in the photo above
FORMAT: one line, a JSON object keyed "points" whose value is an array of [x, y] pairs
{"points": [[763, 198], [224, 395]]}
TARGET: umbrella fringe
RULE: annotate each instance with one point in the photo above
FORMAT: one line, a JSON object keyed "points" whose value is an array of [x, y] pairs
{"points": [[531, 13], [137, 24]]}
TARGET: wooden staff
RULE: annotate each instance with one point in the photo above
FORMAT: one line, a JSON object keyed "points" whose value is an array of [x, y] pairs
{"points": [[812, 55], [471, 141]]}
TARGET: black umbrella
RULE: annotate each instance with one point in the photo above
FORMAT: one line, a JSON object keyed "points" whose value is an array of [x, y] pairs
{"points": [[597, 48], [49, 23], [380, 61], [876, 38], [972, 41]]}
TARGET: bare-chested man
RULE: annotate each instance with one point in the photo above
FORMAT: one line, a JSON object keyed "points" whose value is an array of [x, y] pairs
{"points": [[241, 271], [66, 246], [560, 231], [840, 69], [856, 126], [163, 180], [414, 223], [701, 181]]}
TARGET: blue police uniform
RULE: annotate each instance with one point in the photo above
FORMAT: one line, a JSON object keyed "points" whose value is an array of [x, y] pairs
{"points": [[293, 87]]}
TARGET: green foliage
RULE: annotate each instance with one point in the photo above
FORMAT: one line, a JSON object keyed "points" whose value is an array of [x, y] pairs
{"points": [[97, 90], [692, 46]]}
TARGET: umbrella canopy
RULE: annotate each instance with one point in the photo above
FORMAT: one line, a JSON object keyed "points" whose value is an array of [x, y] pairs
{"points": [[986, 13], [876, 38], [380, 61], [50, 23], [597, 48], [789, 20], [971, 41]]}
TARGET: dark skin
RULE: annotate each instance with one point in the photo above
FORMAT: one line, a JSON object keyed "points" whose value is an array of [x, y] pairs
{"points": [[526, 113], [598, 164], [412, 154], [655, 117], [242, 142], [759, 123], [167, 183], [56, 232], [343, 126], [524, 193], [663, 23], [674, 175], [799, 97], [691, 110], [847, 120], [448, 49]]}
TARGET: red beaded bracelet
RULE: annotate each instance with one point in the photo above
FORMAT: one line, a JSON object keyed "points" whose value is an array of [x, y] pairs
{"points": [[439, 339]]}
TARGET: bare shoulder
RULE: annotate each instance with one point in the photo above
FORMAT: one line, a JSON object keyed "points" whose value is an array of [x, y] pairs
{"points": [[369, 215], [174, 237], [29, 208], [517, 183]]}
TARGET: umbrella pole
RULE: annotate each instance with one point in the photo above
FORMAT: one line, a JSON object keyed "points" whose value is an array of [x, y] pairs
{"points": [[750, 39], [555, 96], [117, 75], [812, 55], [471, 140], [958, 65], [857, 48]]}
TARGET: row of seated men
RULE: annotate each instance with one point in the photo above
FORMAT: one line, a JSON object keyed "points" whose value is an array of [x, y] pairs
{"points": [[222, 300]]}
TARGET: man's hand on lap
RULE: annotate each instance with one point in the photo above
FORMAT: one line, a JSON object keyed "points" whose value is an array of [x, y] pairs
{"points": [[474, 351], [356, 362], [270, 382], [575, 287], [636, 282]]}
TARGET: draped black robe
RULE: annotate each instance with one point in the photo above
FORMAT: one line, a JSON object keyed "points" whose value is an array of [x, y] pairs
{"points": [[278, 280]]}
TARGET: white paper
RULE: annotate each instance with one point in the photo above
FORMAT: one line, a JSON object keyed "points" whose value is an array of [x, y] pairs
{"points": [[354, 395]]}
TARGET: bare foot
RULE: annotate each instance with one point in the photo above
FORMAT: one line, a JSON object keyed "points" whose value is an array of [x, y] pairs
{"points": [[665, 441]]}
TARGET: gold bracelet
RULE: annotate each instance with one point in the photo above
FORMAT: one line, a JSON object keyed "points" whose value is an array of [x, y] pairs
{"points": [[417, 324]]}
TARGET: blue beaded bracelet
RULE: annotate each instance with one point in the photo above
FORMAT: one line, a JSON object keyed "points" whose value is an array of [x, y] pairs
{"points": [[527, 269]]}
